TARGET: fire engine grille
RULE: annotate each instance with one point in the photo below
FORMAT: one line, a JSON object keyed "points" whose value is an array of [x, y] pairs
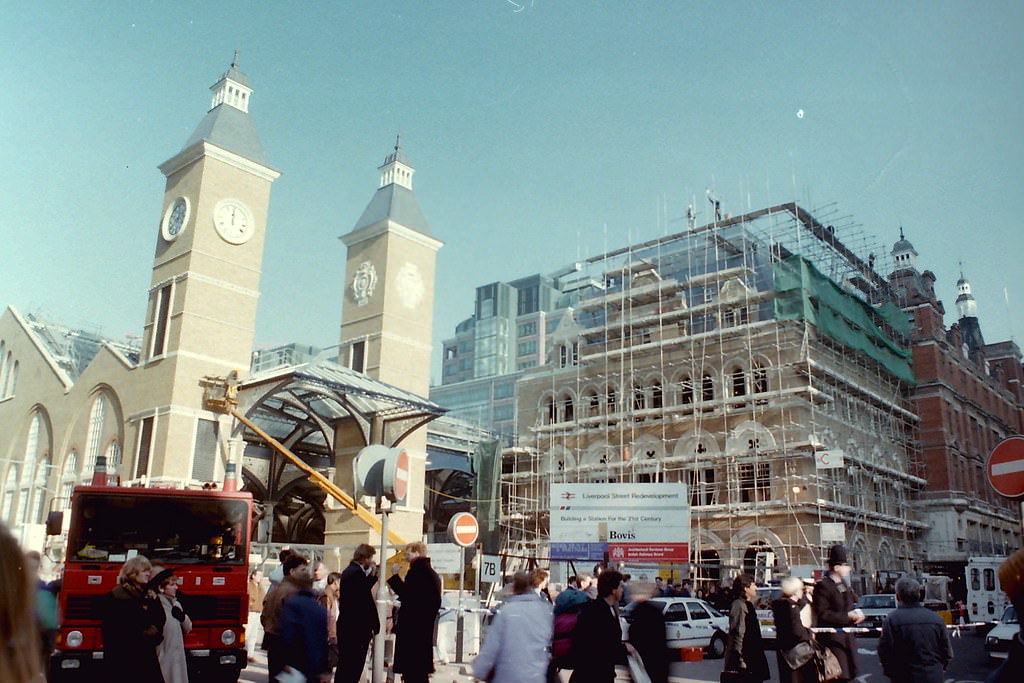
{"points": [[212, 607], [199, 607], [84, 607]]}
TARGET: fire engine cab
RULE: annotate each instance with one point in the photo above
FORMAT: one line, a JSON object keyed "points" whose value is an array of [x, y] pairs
{"points": [[201, 533]]}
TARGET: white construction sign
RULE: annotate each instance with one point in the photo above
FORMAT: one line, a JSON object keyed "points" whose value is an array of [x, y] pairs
{"points": [[641, 523]]}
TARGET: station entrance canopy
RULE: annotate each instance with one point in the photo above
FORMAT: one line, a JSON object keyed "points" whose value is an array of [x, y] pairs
{"points": [[306, 406]]}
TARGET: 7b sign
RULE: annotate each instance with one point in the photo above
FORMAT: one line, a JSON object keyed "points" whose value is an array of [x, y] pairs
{"points": [[490, 569]]}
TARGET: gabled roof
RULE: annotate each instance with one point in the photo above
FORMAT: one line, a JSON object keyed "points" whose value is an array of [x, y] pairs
{"points": [[396, 203], [231, 129], [69, 350]]}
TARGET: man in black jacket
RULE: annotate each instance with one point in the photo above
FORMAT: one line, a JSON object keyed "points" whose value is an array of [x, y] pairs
{"points": [[357, 615], [833, 605], [420, 597], [597, 639], [914, 646]]}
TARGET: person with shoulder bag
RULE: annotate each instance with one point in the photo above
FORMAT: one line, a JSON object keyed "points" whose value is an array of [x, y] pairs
{"points": [[794, 641]]}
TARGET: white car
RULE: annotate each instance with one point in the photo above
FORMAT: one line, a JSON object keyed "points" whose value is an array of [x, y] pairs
{"points": [[997, 642], [689, 622], [876, 608]]}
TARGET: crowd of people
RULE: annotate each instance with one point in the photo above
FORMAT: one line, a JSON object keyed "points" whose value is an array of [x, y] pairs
{"points": [[317, 625]]}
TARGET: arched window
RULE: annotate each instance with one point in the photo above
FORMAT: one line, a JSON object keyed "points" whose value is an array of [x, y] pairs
{"points": [[656, 399], [11, 490], [5, 377], [550, 411], [612, 400], [568, 413], [39, 496], [32, 467], [639, 398], [68, 478], [760, 379], [592, 403], [686, 391], [114, 460], [739, 382], [94, 437], [707, 388]]}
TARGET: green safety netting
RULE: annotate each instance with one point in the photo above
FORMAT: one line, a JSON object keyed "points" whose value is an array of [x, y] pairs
{"points": [[803, 293]]}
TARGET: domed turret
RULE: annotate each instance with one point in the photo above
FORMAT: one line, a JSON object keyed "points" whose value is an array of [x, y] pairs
{"points": [[904, 256]]}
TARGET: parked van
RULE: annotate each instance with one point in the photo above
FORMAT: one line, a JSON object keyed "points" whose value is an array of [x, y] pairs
{"points": [[986, 600]]}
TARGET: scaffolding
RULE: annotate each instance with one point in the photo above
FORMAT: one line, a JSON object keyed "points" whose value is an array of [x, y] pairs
{"points": [[726, 357]]}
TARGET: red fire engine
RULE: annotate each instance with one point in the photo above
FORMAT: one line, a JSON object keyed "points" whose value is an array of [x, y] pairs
{"points": [[202, 534]]}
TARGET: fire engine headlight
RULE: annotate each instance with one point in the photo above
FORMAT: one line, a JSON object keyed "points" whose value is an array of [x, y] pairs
{"points": [[227, 637], [74, 638]]}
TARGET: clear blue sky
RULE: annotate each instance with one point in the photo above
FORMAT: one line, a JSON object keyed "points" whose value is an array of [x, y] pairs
{"points": [[541, 132]]}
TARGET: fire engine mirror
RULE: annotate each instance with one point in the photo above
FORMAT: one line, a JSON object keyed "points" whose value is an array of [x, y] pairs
{"points": [[54, 523]]}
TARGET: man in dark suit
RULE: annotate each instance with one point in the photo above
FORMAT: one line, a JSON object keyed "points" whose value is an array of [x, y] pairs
{"points": [[420, 597], [357, 615], [833, 606], [597, 639]]}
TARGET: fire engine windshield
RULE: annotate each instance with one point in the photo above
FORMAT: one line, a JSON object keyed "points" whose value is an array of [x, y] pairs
{"points": [[179, 529]]}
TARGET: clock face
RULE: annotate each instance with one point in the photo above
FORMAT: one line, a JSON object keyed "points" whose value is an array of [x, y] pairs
{"points": [[233, 221], [175, 219]]}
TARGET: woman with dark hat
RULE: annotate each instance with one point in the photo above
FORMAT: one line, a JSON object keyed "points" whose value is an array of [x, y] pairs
{"points": [[171, 650], [133, 622], [833, 607]]}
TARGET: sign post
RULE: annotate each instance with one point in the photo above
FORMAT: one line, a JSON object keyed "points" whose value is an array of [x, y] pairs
{"points": [[463, 531], [382, 598]]}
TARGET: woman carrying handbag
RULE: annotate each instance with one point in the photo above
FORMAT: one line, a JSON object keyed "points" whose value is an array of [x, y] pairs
{"points": [[794, 641]]}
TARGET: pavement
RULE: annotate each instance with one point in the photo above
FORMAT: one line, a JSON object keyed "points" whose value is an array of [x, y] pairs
{"points": [[452, 672]]}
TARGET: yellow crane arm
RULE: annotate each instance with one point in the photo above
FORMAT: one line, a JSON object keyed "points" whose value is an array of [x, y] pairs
{"points": [[325, 484]]}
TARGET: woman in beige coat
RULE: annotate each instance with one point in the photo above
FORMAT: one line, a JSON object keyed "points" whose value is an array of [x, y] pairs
{"points": [[171, 650]]}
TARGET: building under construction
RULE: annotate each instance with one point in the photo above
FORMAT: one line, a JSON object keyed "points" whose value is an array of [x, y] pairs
{"points": [[758, 359]]}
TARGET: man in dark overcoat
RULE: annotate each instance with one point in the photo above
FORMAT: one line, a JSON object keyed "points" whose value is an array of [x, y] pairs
{"points": [[597, 639], [833, 605], [357, 615], [420, 597]]}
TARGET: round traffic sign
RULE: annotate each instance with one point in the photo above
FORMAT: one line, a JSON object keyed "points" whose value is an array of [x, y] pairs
{"points": [[1005, 467], [463, 529], [401, 481]]}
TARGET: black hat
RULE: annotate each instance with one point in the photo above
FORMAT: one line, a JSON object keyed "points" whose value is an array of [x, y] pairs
{"points": [[161, 576], [837, 555]]}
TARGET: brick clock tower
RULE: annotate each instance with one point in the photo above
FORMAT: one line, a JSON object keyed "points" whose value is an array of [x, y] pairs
{"points": [[205, 285], [387, 314]]}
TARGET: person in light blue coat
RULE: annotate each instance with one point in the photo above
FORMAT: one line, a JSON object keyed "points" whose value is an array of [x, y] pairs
{"points": [[516, 647]]}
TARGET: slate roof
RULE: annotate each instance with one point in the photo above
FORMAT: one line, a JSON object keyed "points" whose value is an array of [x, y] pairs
{"points": [[231, 129], [396, 203]]}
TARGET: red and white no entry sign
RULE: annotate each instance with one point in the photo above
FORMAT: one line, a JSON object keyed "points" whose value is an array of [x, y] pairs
{"points": [[1005, 467], [401, 482], [463, 529]]}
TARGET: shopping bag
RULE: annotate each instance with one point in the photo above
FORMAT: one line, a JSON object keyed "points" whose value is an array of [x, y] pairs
{"points": [[829, 668], [798, 655]]}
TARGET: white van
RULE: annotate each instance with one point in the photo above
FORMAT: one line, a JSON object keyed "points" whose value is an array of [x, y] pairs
{"points": [[986, 600]]}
